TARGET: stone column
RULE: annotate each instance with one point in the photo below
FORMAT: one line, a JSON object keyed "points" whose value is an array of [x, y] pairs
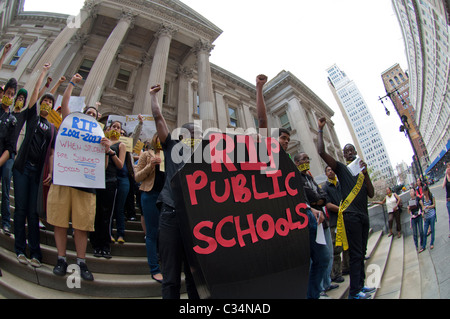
{"points": [[141, 90], [184, 107], [94, 85], [60, 42], [205, 90], [159, 64]]}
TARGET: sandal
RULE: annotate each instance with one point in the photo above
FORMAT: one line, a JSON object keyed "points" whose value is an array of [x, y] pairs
{"points": [[431, 246]]}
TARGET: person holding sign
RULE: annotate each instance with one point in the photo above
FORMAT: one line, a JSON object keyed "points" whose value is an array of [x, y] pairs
{"points": [[353, 216], [76, 204], [170, 242], [151, 176], [37, 147]]}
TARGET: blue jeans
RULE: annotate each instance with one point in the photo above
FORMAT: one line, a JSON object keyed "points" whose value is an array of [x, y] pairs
{"points": [[6, 170], [429, 222], [151, 218], [26, 188], [123, 187], [320, 258], [326, 281], [417, 227]]}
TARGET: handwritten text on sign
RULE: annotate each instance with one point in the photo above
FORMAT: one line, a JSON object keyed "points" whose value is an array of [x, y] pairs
{"points": [[79, 158]]}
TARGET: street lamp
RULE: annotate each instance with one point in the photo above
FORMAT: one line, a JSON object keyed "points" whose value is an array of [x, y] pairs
{"points": [[403, 128]]}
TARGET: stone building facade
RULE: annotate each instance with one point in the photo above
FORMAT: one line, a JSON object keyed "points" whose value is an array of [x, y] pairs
{"points": [[122, 47]]}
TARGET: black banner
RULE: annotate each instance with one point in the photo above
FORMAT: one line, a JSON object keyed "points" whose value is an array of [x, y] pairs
{"points": [[243, 219]]}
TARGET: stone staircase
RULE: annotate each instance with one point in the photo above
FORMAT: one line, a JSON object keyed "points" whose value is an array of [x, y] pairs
{"points": [[392, 265], [396, 270], [126, 275]]}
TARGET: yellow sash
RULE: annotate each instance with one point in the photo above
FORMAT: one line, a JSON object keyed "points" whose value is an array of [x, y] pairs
{"points": [[341, 236]]}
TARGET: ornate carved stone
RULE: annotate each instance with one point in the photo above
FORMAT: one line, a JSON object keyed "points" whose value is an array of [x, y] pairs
{"points": [[203, 46], [166, 29]]}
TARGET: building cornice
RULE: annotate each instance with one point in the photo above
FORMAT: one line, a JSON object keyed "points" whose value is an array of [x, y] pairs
{"points": [[287, 78]]}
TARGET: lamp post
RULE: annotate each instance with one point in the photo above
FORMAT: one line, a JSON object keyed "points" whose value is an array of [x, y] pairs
{"points": [[403, 128]]}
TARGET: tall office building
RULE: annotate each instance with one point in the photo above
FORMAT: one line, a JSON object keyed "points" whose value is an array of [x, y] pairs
{"points": [[396, 83], [366, 136], [425, 26]]}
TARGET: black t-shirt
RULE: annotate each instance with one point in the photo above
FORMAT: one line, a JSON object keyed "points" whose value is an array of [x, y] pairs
{"points": [[348, 182], [415, 209], [7, 127], [334, 197], [173, 161], [447, 186], [38, 136]]}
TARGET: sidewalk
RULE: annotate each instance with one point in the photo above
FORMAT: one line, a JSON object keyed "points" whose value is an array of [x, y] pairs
{"points": [[440, 255]]}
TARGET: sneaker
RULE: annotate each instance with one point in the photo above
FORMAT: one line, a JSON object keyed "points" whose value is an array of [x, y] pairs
{"points": [[359, 295], [98, 253], [85, 273], [22, 259], [7, 230], [368, 290], [106, 254], [332, 286], [120, 240], [35, 263], [60, 268], [338, 279]]}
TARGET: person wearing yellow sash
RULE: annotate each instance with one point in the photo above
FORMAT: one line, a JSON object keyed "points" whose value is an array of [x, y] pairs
{"points": [[353, 217]]}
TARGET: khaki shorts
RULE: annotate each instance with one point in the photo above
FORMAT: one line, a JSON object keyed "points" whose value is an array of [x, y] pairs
{"points": [[65, 203]]}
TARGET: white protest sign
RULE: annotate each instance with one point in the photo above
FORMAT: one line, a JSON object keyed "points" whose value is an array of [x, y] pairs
{"points": [[79, 158], [129, 123], [76, 103]]}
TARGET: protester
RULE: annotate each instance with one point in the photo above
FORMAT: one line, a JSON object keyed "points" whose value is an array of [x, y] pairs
{"points": [[8, 127], [101, 238], [355, 216], [151, 176], [428, 204], [333, 191], [446, 185], [321, 262], [75, 204], [170, 242], [37, 149], [315, 217], [393, 204], [416, 219], [125, 185]]}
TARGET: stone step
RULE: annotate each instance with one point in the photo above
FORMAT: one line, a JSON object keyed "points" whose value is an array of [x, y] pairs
{"points": [[104, 285], [376, 264], [391, 282], [116, 265], [411, 284], [342, 291]]}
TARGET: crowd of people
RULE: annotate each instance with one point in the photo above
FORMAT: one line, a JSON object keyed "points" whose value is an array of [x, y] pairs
{"points": [[338, 209]]}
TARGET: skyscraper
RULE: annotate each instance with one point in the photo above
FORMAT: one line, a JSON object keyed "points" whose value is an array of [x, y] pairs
{"points": [[366, 136]]}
